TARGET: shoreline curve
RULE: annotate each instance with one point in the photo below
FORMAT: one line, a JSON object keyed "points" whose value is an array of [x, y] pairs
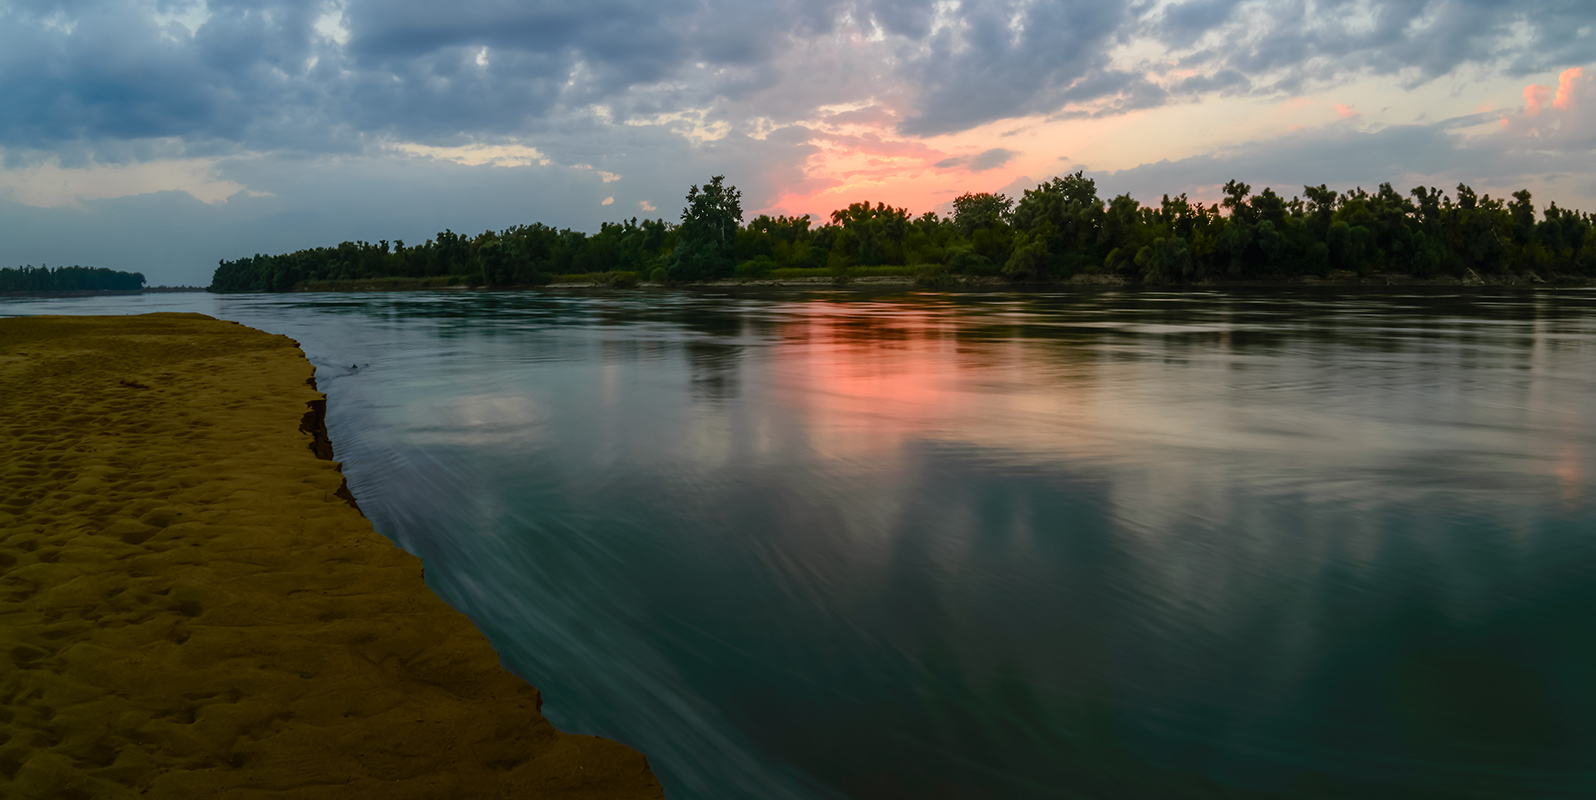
{"points": [[194, 606]]}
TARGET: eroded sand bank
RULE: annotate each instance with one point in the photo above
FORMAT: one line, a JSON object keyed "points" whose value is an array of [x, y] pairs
{"points": [[188, 609]]}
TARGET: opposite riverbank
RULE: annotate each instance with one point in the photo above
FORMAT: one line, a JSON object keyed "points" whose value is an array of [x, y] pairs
{"points": [[104, 292], [193, 606], [951, 282]]}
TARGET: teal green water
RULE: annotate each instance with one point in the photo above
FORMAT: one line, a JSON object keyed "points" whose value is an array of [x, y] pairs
{"points": [[1097, 545]]}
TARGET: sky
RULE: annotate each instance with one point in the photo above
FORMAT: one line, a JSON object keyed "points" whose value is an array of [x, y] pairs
{"points": [[163, 135]]}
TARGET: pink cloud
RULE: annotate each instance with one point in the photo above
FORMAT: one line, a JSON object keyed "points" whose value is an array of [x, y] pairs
{"points": [[1535, 98], [872, 167], [1563, 117], [857, 156], [1567, 84], [873, 144], [1344, 111]]}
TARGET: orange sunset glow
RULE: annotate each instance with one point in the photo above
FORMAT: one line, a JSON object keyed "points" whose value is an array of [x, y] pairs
{"points": [[351, 123], [874, 165]]}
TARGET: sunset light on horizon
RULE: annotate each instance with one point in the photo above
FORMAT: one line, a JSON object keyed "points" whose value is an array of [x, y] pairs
{"points": [[186, 133]]}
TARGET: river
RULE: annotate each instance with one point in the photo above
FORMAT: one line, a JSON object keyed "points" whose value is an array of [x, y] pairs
{"points": [[1097, 544]]}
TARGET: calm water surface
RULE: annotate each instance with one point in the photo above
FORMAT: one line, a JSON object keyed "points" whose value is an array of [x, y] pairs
{"points": [[1096, 545]]}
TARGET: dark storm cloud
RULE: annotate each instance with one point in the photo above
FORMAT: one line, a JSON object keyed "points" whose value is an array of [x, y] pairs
{"points": [[991, 159], [1000, 59], [980, 162], [107, 70], [622, 41], [1007, 59], [258, 75], [910, 19], [261, 73], [1291, 45], [1185, 23]]}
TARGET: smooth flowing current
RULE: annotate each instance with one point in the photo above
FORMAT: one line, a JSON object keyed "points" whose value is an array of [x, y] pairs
{"points": [[822, 544]]}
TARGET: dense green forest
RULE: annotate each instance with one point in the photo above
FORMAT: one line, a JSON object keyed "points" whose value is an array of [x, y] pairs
{"points": [[69, 279], [1060, 229]]}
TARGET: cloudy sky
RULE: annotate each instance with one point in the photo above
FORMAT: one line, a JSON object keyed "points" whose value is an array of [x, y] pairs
{"points": [[162, 135]]}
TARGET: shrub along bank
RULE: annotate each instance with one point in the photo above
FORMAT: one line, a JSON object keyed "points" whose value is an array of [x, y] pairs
{"points": [[1057, 231]]}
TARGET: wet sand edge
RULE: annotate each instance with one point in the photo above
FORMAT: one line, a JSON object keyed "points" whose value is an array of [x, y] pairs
{"points": [[191, 605]]}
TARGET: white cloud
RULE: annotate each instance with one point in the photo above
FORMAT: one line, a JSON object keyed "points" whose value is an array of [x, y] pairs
{"points": [[608, 200], [59, 22], [50, 185], [187, 16], [692, 123], [332, 25], [607, 177], [474, 155], [647, 206]]}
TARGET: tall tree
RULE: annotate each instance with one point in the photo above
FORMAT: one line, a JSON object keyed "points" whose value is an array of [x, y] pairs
{"points": [[972, 212], [708, 233]]}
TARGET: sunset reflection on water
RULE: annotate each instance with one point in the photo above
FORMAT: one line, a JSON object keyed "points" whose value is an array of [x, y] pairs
{"points": [[1090, 544], [866, 381]]}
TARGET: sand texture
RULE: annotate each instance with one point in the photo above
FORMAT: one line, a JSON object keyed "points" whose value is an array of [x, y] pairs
{"points": [[189, 610]]}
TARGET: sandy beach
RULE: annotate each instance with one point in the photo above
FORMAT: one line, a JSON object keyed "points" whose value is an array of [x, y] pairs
{"points": [[190, 607]]}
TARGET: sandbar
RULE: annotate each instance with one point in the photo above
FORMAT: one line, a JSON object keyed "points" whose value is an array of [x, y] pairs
{"points": [[192, 606]]}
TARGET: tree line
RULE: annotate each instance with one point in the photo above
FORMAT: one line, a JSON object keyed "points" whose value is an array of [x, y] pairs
{"points": [[1060, 229], [68, 279]]}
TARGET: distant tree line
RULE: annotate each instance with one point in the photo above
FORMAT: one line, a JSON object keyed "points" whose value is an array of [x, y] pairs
{"points": [[1057, 230], [68, 279]]}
